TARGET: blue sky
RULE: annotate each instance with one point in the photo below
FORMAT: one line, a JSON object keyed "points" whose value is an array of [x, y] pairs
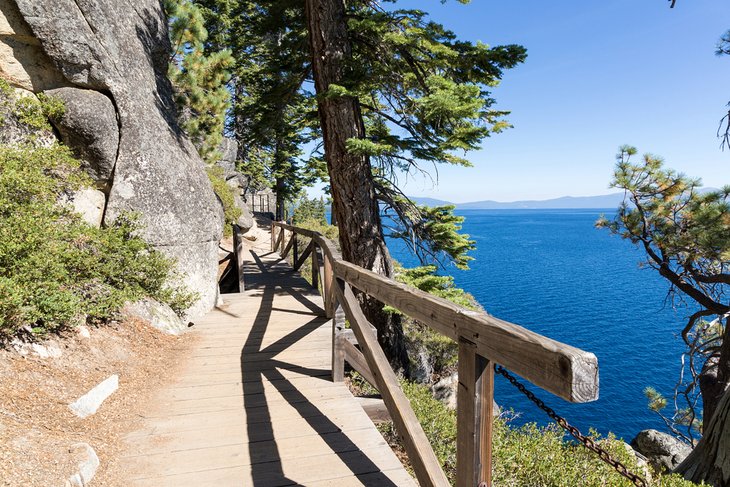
{"points": [[598, 74]]}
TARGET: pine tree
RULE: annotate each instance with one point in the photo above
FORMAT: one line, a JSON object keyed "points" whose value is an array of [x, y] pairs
{"points": [[199, 78], [272, 115], [395, 91], [685, 234]]}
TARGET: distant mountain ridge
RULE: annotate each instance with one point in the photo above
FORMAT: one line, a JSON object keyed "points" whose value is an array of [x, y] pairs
{"points": [[602, 201], [565, 202]]}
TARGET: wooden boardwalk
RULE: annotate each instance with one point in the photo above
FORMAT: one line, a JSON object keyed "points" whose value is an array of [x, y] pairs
{"points": [[256, 405]]}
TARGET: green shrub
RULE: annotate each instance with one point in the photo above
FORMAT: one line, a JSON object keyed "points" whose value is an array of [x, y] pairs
{"points": [[442, 352], [54, 268], [529, 456], [226, 195], [308, 211], [317, 225], [32, 111]]}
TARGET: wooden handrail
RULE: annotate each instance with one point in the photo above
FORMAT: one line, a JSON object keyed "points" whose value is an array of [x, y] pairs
{"points": [[483, 340]]}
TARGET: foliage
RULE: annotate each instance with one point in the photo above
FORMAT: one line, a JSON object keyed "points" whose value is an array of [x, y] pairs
{"points": [[686, 237], [432, 233], [54, 268], [528, 456], [35, 112], [424, 96], [424, 92], [681, 417], [272, 115], [310, 210], [723, 129], [200, 78], [226, 194], [441, 351], [425, 100], [31, 111]]}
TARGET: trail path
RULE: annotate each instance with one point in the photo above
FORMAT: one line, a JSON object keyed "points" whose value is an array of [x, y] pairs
{"points": [[255, 405]]}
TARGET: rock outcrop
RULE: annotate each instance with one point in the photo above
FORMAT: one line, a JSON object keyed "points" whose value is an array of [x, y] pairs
{"points": [[158, 315], [236, 181], [97, 54], [662, 451], [89, 126]]}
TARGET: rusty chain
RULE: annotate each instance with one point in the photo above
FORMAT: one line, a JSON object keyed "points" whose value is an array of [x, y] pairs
{"points": [[586, 441]]}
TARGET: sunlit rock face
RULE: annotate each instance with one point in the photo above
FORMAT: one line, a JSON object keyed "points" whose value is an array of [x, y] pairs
{"points": [[108, 61]]}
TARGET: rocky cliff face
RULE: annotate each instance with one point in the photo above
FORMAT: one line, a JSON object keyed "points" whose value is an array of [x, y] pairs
{"points": [[107, 59]]}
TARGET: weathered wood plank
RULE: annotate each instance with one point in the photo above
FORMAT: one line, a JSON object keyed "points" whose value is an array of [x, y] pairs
{"points": [[327, 293], [484, 419], [281, 420], [315, 267], [303, 257], [357, 361], [474, 417], [375, 408], [289, 245], [425, 464], [239, 251], [565, 371], [338, 352], [465, 424]]}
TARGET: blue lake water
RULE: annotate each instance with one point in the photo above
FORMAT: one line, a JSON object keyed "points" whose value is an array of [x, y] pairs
{"points": [[551, 271]]}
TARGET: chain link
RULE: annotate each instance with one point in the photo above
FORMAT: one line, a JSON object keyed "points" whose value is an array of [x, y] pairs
{"points": [[586, 441]]}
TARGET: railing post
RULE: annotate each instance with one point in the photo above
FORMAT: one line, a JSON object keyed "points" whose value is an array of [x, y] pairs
{"points": [[295, 250], [315, 266], [338, 353], [327, 291], [474, 417], [273, 230], [238, 252]]}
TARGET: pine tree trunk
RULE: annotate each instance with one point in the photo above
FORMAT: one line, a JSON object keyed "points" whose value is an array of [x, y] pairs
{"points": [[710, 460], [280, 190], [354, 206]]}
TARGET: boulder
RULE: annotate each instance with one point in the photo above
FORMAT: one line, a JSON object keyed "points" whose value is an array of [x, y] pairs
{"points": [[245, 221], [662, 451], [445, 390], [121, 49], [88, 463], [89, 127], [89, 203], [229, 151], [90, 402], [158, 315]]}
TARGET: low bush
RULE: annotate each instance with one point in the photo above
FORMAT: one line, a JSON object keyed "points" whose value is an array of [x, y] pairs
{"points": [[226, 194], [54, 268], [525, 456], [528, 456]]}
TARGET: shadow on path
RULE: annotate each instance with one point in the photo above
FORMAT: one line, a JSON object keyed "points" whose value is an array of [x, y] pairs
{"points": [[278, 278]]}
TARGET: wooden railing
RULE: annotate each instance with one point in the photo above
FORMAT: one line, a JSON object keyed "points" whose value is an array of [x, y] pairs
{"points": [[482, 339]]}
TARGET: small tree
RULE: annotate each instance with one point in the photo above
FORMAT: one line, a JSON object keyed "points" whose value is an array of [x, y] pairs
{"points": [[686, 237]]}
